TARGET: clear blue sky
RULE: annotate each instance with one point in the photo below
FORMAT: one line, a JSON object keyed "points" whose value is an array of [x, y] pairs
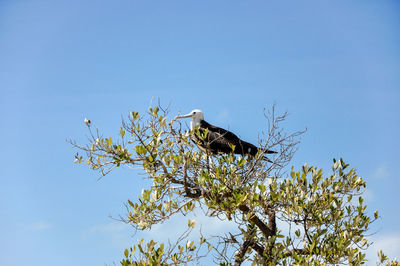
{"points": [[334, 65]]}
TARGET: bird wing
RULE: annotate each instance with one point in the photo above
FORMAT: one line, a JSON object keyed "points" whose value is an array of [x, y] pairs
{"points": [[220, 131], [241, 146], [219, 139]]}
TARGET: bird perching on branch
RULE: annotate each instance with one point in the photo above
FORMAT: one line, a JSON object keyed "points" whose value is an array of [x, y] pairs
{"points": [[218, 140]]}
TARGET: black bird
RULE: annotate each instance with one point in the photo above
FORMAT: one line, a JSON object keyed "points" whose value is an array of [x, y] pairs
{"points": [[219, 140]]}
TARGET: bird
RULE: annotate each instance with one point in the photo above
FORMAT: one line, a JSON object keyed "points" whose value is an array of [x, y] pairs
{"points": [[87, 122], [218, 140]]}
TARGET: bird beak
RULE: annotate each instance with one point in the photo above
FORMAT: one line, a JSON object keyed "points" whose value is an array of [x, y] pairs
{"points": [[184, 116]]}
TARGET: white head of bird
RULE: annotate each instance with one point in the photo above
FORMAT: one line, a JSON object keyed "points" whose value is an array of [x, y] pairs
{"points": [[196, 115]]}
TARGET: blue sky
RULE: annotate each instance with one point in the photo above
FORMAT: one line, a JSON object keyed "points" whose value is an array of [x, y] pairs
{"points": [[333, 65]]}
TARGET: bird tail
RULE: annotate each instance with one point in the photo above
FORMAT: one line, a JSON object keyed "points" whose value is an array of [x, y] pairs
{"points": [[269, 151], [265, 158], [268, 160]]}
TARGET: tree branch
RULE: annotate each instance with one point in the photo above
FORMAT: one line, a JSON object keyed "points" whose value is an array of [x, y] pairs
{"points": [[242, 252], [255, 220], [188, 189], [300, 251]]}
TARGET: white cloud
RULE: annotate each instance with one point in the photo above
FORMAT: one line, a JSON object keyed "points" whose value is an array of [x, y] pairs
{"points": [[381, 172], [118, 233], [389, 244], [171, 229], [114, 227], [368, 195], [214, 226], [39, 226]]}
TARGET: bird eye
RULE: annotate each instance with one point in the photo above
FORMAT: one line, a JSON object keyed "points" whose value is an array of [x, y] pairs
{"points": [[194, 113]]}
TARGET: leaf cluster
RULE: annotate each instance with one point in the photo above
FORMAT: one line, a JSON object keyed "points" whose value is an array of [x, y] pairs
{"points": [[301, 217]]}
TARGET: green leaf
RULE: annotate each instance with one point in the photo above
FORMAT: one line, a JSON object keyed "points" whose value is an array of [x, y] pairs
{"points": [[109, 141], [155, 111], [122, 132], [135, 115]]}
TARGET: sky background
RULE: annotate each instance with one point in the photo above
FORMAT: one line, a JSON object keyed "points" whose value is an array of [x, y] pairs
{"points": [[333, 65]]}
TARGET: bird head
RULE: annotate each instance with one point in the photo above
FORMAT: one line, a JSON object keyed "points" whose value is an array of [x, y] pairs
{"points": [[196, 115]]}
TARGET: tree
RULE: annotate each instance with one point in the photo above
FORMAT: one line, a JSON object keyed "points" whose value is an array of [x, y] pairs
{"points": [[324, 215]]}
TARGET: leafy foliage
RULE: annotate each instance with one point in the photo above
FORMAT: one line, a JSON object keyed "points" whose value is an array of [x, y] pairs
{"points": [[324, 215]]}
